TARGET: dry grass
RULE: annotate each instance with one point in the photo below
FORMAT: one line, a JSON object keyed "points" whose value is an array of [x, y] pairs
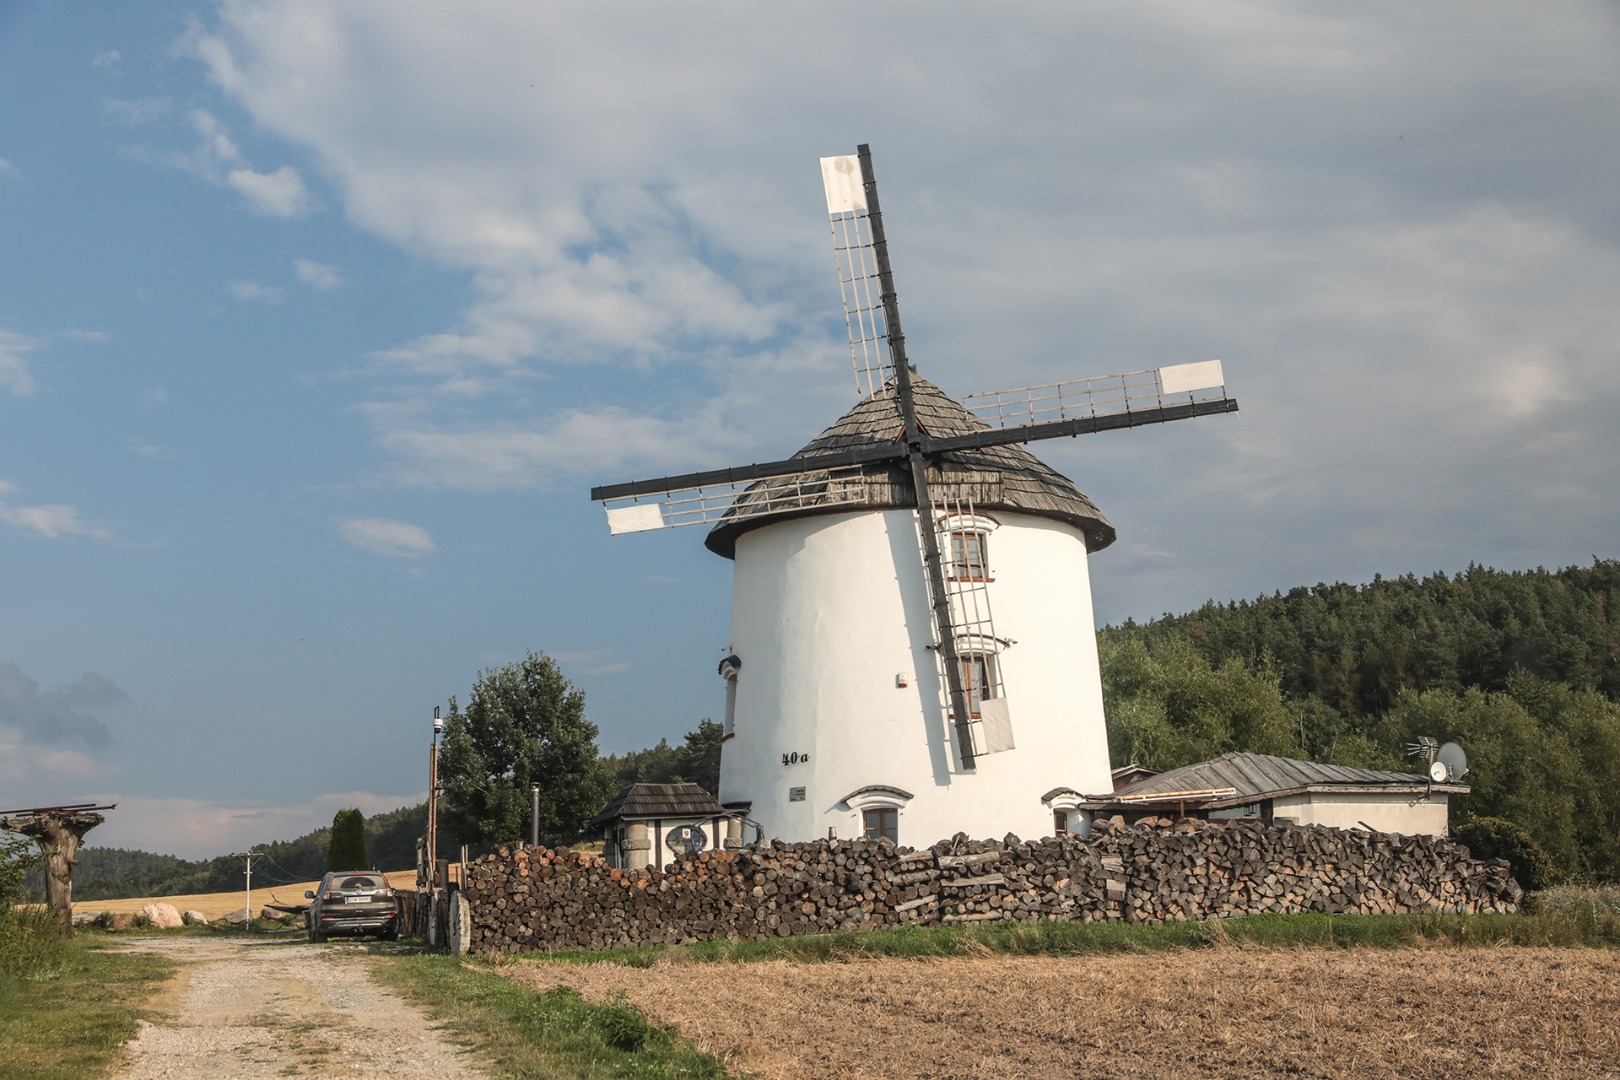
{"points": [[214, 905], [1228, 1011]]}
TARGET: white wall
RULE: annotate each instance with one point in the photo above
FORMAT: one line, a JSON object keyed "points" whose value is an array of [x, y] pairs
{"points": [[828, 610], [1408, 814]]}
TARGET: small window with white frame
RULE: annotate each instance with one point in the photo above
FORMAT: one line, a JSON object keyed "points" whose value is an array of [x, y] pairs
{"points": [[968, 561]]}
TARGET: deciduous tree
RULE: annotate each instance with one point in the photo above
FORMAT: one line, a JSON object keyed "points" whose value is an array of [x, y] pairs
{"points": [[524, 724]]}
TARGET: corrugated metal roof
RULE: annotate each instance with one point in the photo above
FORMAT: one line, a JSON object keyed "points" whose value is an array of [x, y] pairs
{"points": [[660, 801], [1262, 774], [995, 477]]}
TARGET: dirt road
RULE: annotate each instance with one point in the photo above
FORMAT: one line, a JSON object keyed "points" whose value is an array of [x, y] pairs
{"points": [[283, 1008]]}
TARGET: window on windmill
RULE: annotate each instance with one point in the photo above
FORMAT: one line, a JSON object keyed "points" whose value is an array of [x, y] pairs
{"points": [[967, 556], [881, 822], [977, 671], [1060, 823]]}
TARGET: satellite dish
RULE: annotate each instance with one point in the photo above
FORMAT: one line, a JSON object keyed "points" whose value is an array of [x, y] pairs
{"points": [[1451, 756], [1438, 772]]}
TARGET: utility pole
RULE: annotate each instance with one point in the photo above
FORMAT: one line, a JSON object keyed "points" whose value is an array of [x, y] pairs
{"points": [[247, 896], [534, 816], [433, 803]]}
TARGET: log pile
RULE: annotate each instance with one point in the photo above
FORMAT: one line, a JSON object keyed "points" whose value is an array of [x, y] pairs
{"points": [[1156, 870]]}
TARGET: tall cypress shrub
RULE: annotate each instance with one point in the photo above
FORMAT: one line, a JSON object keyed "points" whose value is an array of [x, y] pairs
{"points": [[347, 848]]}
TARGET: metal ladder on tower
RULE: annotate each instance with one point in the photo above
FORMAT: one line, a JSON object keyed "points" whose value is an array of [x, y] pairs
{"points": [[978, 645]]}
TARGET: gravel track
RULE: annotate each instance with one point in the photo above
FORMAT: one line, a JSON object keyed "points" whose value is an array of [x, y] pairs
{"points": [[279, 1009]]}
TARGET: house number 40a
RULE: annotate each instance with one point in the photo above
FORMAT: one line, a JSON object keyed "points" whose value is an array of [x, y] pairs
{"points": [[794, 758]]}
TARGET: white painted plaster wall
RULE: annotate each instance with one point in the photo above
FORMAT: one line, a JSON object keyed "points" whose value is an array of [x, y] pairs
{"points": [[828, 610], [1410, 815]]}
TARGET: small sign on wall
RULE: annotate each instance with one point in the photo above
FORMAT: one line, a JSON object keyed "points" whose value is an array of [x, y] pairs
{"points": [[795, 794]]}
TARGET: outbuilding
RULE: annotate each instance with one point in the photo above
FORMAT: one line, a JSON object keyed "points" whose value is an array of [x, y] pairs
{"points": [[650, 824], [1287, 791]]}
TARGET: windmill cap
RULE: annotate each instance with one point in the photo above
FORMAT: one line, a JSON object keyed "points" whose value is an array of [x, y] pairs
{"points": [[1005, 477]]}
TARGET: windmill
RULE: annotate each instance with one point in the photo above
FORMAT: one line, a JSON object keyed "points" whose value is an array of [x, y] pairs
{"points": [[907, 448]]}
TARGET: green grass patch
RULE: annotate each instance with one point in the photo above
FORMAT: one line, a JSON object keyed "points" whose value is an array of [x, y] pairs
{"points": [[1078, 939], [524, 1034], [31, 944], [67, 1021]]}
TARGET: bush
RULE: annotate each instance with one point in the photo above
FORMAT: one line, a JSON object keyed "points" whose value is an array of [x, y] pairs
{"points": [[16, 856], [1499, 838]]}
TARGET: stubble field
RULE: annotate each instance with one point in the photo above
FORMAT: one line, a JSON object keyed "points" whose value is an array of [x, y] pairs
{"points": [[1225, 1011]]}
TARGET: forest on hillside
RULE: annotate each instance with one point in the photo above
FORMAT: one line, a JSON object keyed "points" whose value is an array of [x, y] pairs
{"points": [[1522, 668]]}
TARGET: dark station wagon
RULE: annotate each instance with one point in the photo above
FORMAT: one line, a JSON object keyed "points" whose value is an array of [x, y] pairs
{"points": [[353, 902]]}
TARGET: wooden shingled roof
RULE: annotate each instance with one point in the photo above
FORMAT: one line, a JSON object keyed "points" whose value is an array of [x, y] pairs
{"points": [[660, 801], [1004, 477]]}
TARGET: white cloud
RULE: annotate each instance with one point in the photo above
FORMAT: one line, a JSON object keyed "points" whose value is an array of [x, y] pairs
{"points": [[107, 59], [14, 374], [275, 194], [8, 169], [1399, 238], [24, 763], [382, 536], [53, 521], [136, 112], [253, 292], [318, 275], [217, 159], [592, 661]]}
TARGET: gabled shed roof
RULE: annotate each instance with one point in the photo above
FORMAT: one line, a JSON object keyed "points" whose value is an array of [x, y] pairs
{"points": [[1004, 477], [660, 801], [1256, 776]]}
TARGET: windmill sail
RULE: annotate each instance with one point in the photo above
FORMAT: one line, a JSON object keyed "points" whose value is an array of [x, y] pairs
{"points": [[858, 278], [1136, 392], [804, 489]]}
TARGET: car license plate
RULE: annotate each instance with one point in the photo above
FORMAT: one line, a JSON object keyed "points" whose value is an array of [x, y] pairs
{"points": [[357, 899]]}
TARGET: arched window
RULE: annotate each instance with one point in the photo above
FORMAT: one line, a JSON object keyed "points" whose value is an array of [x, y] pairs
{"points": [[965, 545], [967, 556], [879, 807]]}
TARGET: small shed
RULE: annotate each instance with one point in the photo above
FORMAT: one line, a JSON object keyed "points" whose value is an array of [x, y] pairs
{"points": [[1288, 791], [650, 824]]}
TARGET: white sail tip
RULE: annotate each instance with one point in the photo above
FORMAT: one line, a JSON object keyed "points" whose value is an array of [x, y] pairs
{"points": [[841, 177]]}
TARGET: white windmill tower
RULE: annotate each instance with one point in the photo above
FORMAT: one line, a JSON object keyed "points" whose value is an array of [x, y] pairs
{"points": [[870, 691]]}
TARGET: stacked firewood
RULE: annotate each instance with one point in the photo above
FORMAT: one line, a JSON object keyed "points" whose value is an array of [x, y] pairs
{"points": [[1152, 871]]}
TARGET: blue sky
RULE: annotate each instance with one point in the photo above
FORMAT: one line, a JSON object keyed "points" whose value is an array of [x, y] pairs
{"points": [[318, 321]]}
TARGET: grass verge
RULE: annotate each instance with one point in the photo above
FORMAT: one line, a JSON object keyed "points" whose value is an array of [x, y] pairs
{"points": [[556, 1034], [1078, 939], [67, 1021]]}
